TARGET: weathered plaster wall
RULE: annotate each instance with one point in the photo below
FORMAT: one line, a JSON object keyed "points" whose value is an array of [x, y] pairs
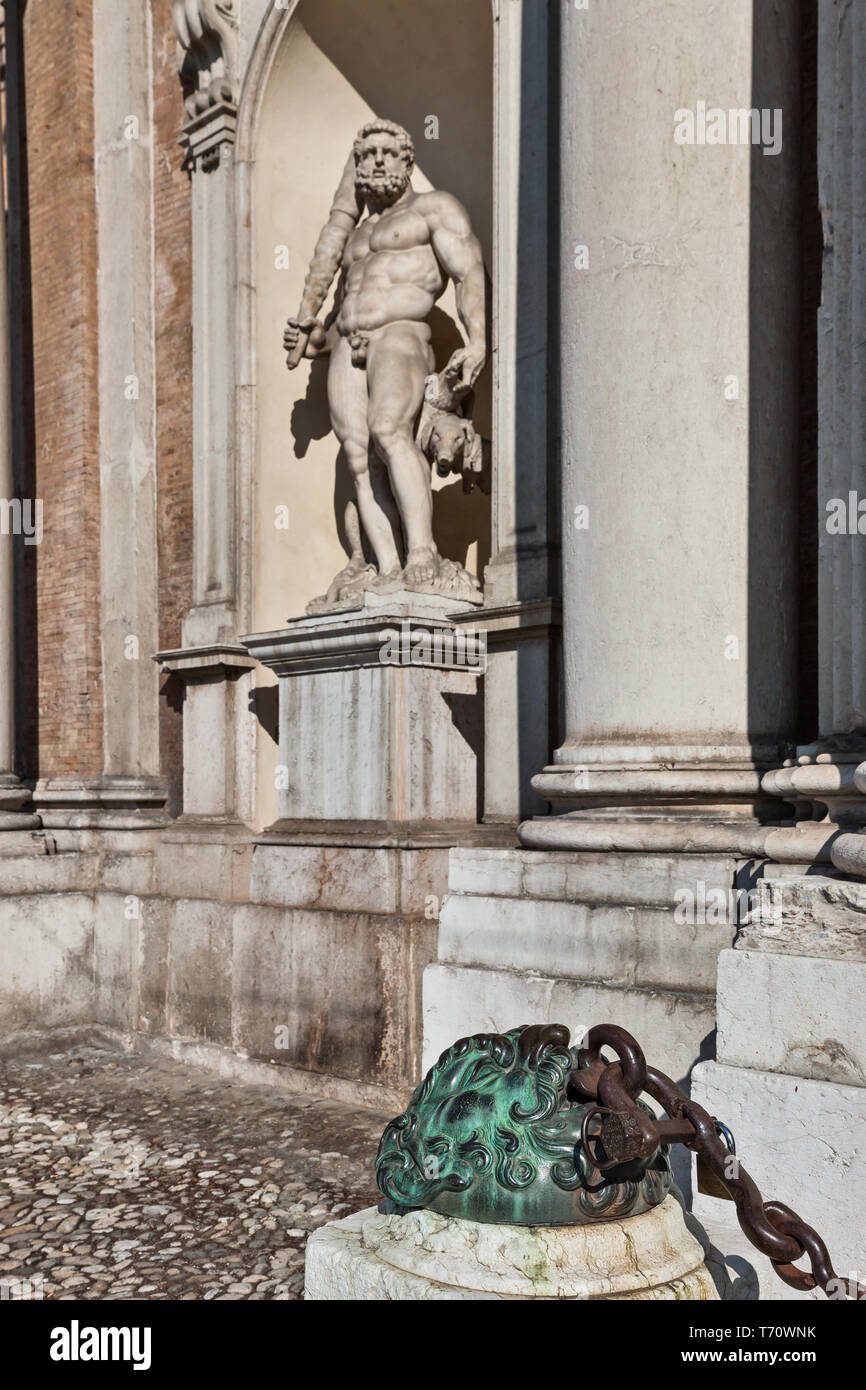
{"points": [[303, 958]]}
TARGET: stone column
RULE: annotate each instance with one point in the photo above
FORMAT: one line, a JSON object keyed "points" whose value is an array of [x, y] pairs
{"points": [[212, 664], [129, 794], [13, 797], [208, 138], [207, 42], [520, 615], [677, 334], [827, 779]]}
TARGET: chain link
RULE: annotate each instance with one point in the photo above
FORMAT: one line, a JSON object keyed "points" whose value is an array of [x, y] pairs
{"points": [[628, 1134]]}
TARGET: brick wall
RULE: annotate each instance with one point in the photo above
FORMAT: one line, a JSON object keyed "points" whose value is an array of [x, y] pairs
{"points": [[58, 60], [61, 252]]}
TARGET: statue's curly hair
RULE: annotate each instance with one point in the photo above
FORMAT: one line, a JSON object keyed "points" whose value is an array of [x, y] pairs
{"points": [[407, 144]]}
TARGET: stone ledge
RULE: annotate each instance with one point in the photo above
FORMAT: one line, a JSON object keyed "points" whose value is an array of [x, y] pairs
{"points": [[612, 943], [572, 876], [385, 834], [110, 803]]}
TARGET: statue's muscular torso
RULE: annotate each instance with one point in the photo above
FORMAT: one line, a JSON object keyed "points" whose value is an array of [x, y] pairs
{"points": [[390, 270]]}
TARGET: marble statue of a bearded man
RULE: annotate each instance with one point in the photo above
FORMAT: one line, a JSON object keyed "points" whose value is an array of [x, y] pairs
{"points": [[395, 249]]}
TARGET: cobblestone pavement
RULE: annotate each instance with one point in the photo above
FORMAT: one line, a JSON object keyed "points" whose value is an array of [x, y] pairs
{"points": [[122, 1177]]}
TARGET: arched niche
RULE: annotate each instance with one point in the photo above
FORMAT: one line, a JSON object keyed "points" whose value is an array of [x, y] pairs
{"points": [[316, 70], [334, 65]]}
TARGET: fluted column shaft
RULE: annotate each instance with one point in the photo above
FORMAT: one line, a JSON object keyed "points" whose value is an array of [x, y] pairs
{"points": [[839, 757], [678, 321]]}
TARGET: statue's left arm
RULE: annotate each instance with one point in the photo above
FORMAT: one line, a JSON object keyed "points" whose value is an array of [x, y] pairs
{"points": [[458, 251]]}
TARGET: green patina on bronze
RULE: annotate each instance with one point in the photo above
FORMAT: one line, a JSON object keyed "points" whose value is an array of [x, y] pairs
{"points": [[492, 1134]]}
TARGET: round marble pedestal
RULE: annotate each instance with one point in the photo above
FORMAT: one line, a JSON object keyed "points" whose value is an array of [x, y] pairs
{"points": [[424, 1255]]}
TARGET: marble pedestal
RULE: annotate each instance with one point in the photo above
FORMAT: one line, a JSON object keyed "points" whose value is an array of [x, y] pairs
{"points": [[428, 1256], [380, 714]]}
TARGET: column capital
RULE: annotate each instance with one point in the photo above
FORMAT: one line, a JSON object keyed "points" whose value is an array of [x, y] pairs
{"points": [[204, 136]]}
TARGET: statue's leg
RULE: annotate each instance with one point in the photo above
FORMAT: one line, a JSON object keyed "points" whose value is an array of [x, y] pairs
{"points": [[399, 359], [347, 399]]}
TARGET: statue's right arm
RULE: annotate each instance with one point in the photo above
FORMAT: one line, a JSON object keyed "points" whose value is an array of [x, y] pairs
{"points": [[328, 255], [326, 262], [327, 259]]}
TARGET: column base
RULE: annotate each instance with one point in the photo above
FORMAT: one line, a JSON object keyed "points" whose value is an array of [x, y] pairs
{"points": [[848, 853], [423, 1255], [104, 803], [13, 799], [18, 820], [649, 804], [827, 788]]}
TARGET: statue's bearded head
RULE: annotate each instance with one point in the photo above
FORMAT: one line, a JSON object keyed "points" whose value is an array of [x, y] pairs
{"points": [[384, 159]]}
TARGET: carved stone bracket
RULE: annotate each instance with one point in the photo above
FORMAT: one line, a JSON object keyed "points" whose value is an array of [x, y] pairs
{"points": [[207, 45], [207, 52]]}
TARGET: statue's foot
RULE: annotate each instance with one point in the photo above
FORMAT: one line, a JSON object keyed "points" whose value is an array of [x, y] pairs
{"points": [[454, 580], [427, 570], [422, 566], [384, 582], [346, 589], [352, 579]]}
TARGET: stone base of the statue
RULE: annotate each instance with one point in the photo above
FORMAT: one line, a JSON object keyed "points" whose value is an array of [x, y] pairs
{"points": [[380, 713], [456, 587], [424, 1255]]}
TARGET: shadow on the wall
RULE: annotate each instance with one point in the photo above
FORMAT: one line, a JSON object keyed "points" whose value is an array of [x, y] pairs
{"points": [[539, 223], [467, 716], [373, 47], [785, 237], [171, 698], [24, 475], [310, 416], [264, 704]]}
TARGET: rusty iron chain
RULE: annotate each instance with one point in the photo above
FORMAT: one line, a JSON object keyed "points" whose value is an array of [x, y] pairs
{"points": [[628, 1136]]}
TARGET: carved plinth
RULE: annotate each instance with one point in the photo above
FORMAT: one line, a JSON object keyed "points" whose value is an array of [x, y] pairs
{"points": [[425, 1255], [380, 715]]}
